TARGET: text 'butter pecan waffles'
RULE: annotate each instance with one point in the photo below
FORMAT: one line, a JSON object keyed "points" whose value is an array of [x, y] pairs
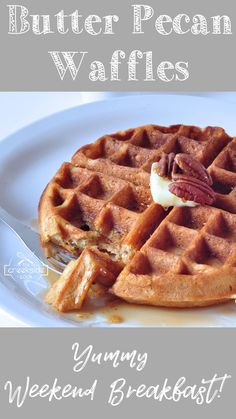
{"points": [[144, 218]]}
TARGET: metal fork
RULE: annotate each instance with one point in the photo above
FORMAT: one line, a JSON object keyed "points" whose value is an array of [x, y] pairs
{"points": [[31, 240]]}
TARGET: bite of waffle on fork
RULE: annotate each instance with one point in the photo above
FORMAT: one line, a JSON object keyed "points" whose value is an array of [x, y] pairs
{"points": [[99, 208]]}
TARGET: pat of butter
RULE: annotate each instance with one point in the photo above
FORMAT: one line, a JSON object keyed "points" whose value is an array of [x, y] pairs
{"points": [[161, 194]]}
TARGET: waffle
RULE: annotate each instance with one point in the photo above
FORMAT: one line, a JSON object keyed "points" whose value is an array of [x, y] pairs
{"points": [[99, 208]]}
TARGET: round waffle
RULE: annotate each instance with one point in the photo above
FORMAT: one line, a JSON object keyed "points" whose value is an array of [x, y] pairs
{"points": [[99, 208]]}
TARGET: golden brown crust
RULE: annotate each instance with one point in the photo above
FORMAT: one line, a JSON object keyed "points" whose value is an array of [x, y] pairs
{"points": [[175, 290]]}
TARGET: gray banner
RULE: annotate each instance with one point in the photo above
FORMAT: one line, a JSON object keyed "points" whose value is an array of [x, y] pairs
{"points": [[146, 373], [190, 48]]}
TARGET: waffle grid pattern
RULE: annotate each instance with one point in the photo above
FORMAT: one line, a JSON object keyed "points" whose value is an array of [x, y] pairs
{"points": [[92, 208], [223, 173], [189, 241], [130, 154]]}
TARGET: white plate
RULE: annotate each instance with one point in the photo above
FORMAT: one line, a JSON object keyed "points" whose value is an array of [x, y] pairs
{"points": [[28, 160]]}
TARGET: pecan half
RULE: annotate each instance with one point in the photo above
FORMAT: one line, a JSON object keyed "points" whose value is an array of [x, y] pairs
{"points": [[165, 165], [171, 159], [192, 189], [191, 167]]}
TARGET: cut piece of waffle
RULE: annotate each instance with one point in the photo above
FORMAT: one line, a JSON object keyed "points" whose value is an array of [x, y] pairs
{"points": [[101, 200], [70, 291]]}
